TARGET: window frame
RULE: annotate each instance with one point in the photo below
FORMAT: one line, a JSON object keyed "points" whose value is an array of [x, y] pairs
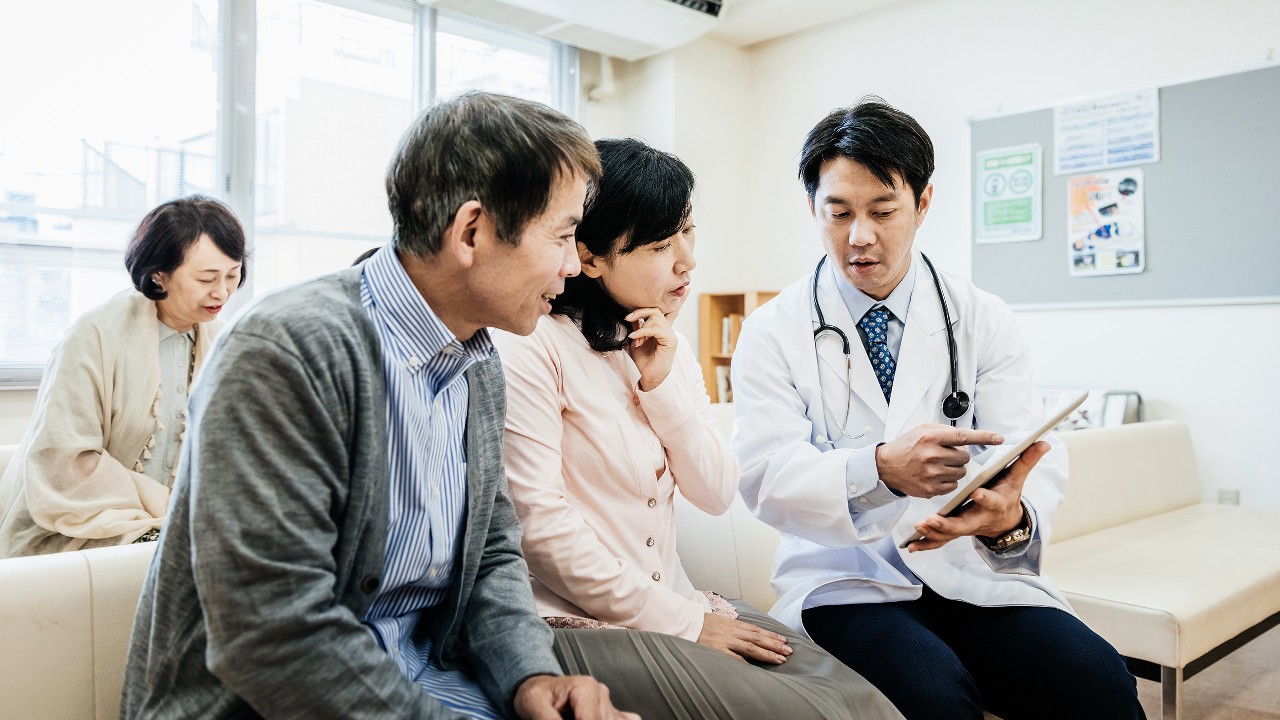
{"points": [[235, 133]]}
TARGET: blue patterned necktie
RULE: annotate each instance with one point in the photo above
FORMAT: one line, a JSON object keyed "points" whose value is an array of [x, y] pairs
{"points": [[875, 324]]}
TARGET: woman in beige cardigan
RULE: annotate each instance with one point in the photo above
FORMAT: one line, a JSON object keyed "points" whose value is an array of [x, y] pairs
{"points": [[100, 454]]}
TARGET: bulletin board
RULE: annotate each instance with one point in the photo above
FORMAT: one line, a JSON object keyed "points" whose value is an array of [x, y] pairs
{"points": [[1212, 205]]}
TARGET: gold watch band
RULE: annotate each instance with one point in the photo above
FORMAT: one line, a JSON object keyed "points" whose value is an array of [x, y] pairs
{"points": [[1009, 540]]}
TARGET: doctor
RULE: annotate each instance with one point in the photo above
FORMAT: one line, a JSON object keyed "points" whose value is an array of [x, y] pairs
{"points": [[862, 391]]}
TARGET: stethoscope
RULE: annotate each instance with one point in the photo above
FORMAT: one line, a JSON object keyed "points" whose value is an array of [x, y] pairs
{"points": [[954, 406]]}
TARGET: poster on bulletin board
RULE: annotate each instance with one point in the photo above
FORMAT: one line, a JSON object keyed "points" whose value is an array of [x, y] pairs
{"points": [[1105, 223], [1009, 194]]}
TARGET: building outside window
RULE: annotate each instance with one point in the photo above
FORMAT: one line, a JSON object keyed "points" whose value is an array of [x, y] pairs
{"points": [[115, 112]]}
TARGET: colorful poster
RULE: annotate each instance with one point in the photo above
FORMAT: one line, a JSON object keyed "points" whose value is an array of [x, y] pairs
{"points": [[1008, 194], [1108, 132], [1105, 223]]}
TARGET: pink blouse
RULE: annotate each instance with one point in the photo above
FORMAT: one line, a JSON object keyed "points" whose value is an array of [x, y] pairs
{"points": [[593, 465]]}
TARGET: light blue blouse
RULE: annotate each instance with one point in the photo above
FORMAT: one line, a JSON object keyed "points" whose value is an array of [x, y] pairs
{"points": [[177, 359]]}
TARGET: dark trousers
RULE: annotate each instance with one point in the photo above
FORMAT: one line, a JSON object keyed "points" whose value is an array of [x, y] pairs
{"points": [[939, 659]]}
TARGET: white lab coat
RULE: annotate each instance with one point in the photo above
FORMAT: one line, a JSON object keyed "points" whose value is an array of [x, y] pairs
{"points": [[831, 550]]}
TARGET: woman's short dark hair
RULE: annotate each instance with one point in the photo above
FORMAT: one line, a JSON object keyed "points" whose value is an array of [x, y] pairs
{"points": [[164, 236], [505, 152], [880, 137], [643, 198]]}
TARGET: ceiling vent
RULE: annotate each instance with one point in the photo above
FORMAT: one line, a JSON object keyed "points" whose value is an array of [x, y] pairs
{"points": [[624, 29]]}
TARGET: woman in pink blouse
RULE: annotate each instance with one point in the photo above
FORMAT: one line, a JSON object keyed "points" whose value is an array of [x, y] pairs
{"points": [[606, 415]]}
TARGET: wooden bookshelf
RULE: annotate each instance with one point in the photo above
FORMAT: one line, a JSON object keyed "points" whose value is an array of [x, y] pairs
{"points": [[716, 338]]}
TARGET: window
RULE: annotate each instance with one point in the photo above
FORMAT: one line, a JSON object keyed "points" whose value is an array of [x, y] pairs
{"points": [[93, 133], [335, 91], [337, 85], [112, 108]]}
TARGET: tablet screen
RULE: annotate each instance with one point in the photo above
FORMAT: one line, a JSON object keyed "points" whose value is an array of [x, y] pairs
{"points": [[1004, 457]]}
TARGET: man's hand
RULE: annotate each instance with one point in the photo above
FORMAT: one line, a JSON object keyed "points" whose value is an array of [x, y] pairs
{"points": [[929, 460], [652, 346], [742, 640], [546, 697], [995, 510]]}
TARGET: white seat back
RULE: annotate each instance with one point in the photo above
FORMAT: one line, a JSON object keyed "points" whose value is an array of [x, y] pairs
{"points": [[65, 621], [6, 454], [1124, 473], [731, 554]]}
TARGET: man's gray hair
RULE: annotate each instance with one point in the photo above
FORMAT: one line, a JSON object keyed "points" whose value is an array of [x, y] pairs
{"points": [[505, 152]]}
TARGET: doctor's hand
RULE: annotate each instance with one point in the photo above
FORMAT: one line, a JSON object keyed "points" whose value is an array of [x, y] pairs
{"points": [[546, 697], [995, 510], [652, 346], [929, 460], [742, 640]]}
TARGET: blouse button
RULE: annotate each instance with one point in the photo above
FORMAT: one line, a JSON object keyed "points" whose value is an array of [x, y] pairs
{"points": [[657, 576], [653, 502], [649, 542], [635, 400]]}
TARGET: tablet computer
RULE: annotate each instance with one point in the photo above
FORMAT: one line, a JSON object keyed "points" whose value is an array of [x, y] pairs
{"points": [[1004, 458]]}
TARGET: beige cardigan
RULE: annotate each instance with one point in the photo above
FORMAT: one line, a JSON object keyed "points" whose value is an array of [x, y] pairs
{"points": [[76, 480]]}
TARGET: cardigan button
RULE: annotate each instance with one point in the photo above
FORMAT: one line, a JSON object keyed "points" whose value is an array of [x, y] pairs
{"points": [[370, 584], [649, 542], [657, 576], [653, 502]]}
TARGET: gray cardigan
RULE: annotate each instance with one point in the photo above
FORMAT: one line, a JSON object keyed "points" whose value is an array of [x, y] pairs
{"points": [[277, 531]]}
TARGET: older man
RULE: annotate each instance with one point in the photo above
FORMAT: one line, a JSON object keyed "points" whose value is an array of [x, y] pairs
{"points": [[341, 543]]}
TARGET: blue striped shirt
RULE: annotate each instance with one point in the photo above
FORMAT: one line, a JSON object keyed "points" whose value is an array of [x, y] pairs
{"points": [[427, 393]]}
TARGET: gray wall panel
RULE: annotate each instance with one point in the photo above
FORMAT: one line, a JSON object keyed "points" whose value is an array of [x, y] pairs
{"points": [[1212, 204]]}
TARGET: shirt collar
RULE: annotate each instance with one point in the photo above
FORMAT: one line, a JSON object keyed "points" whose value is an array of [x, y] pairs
{"points": [[167, 332], [859, 302], [419, 332]]}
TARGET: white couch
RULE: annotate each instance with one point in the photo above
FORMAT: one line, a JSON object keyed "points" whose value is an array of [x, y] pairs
{"points": [[64, 626], [1174, 584]]}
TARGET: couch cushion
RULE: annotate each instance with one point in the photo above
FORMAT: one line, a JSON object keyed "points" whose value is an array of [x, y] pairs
{"points": [[1124, 473], [116, 575], [46, 668], [1171, 587]]}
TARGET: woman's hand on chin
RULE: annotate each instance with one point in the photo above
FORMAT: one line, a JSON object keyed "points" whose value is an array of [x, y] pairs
{"points": [[652, 346]]}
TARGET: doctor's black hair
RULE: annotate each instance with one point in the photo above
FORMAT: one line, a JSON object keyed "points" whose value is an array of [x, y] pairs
{"points": [[643, 197], [875, 134]]}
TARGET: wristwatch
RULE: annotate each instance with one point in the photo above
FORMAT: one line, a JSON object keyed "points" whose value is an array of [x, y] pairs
{"points": [[1010, 540]]}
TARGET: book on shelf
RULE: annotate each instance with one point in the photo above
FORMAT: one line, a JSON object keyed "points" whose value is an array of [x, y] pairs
{"points": [[730, 327], [724, 387]]}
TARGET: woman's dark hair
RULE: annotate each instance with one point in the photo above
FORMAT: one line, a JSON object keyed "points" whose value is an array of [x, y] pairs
{"points": [[643, 197], [164, 236], [366, 255], [880, 137]]}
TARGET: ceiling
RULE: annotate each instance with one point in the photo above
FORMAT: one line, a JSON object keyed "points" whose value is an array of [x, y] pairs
{"points": [[746, 22]]}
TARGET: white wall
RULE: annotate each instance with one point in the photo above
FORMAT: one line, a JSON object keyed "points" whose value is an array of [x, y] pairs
{"points": [[15, 414], [947, 61], [693, 102]]}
